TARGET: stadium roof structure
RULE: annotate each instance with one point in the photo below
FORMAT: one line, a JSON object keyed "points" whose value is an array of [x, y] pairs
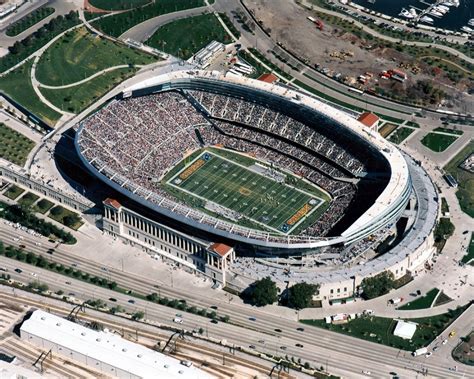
{"points": [[108, 348], [387, 207]]}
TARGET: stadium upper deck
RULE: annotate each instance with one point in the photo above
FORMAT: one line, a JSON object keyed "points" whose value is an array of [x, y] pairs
{"points": [[386, 208]]}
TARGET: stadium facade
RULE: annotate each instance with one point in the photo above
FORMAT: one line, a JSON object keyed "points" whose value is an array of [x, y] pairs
{"points": [[385, 164], [331, 150]]}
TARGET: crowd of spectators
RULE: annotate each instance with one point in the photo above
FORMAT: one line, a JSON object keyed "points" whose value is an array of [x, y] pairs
{"points": [[136, 141], [261, 117]]}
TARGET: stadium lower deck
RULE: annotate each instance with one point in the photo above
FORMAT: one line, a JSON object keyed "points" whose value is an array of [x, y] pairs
{"points": [[136, 142]]}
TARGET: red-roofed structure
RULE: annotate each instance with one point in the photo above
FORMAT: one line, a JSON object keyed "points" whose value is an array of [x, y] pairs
{"points": [[268, 78], [221, 249], [112, 203], [370, 120]]}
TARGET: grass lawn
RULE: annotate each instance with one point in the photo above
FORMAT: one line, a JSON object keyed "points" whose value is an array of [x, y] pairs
{"points": [[75, 99], [413, 124], [13, 192], [80, 54], [400, 135], [14, 146], [438, 142], [183, 38], [450, 131], [113, 5], [380, 329], [28, 199], [21, 50], [17, 84], [444, 205], [422, 302], [442, 299], [120, 23], [28, 21], [43, 206], [470, 252], [465, 179], [66, 217]]}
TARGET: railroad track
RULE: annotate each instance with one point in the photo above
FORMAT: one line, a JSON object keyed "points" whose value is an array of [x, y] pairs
{"points": [[217, 370]]}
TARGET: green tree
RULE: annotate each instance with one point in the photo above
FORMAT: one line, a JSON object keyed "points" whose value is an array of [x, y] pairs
{"points": [[262, 292], [138, 315], [377, 285], [152, 297], [300, 295], [444, 229]]}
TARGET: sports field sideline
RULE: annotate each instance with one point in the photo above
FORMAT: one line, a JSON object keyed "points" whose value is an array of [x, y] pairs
{"points": [[274, 205]]}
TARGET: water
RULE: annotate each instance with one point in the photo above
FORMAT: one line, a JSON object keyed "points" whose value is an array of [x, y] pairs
{"points": [[455, 19]]}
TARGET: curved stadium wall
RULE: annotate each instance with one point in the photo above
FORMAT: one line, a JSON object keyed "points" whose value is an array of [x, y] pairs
{"points": [[386, 208]]}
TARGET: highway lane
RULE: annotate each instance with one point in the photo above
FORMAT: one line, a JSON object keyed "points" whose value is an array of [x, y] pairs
{"points": [[239, 314], [164, 315], [271, 344]]}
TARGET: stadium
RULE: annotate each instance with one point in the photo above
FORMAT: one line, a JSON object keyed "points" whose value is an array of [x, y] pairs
{"points": [[256, 165]]}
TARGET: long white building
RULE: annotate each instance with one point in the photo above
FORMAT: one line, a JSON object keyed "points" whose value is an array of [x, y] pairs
{"points": [[104, 351]]}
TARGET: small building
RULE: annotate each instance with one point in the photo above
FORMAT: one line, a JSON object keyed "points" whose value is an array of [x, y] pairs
{"points": [[207, 54], [268, 78], [104, 351], [370, 120], [405, 329]]}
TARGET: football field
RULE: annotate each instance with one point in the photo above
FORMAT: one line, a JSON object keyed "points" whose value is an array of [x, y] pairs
{"points": [[245, 192]]}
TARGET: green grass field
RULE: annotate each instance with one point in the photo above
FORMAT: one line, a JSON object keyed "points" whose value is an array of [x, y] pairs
{"points": [[66, 217], [28, 21], [17, 84], [183, 38], [422, 302], [438, 142], [450, 131], [79, 54], [114, 5], [117, 24], [247, 193], [75, 99], [14, 146], [28, 199], [13, 192], [380, 329], [400, 135], [465, 179], [43, 206]]}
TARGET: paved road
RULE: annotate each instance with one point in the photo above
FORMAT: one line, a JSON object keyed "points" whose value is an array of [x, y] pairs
{"points": [[61, 7], [346, 353], [146, 29], [347, 356]]}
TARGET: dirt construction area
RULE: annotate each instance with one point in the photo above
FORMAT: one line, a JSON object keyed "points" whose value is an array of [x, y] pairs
{"points": [[343, 51]]}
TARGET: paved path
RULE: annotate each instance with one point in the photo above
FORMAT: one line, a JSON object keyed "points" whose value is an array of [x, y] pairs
{"points": [[86, 79], [367, 29]]}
